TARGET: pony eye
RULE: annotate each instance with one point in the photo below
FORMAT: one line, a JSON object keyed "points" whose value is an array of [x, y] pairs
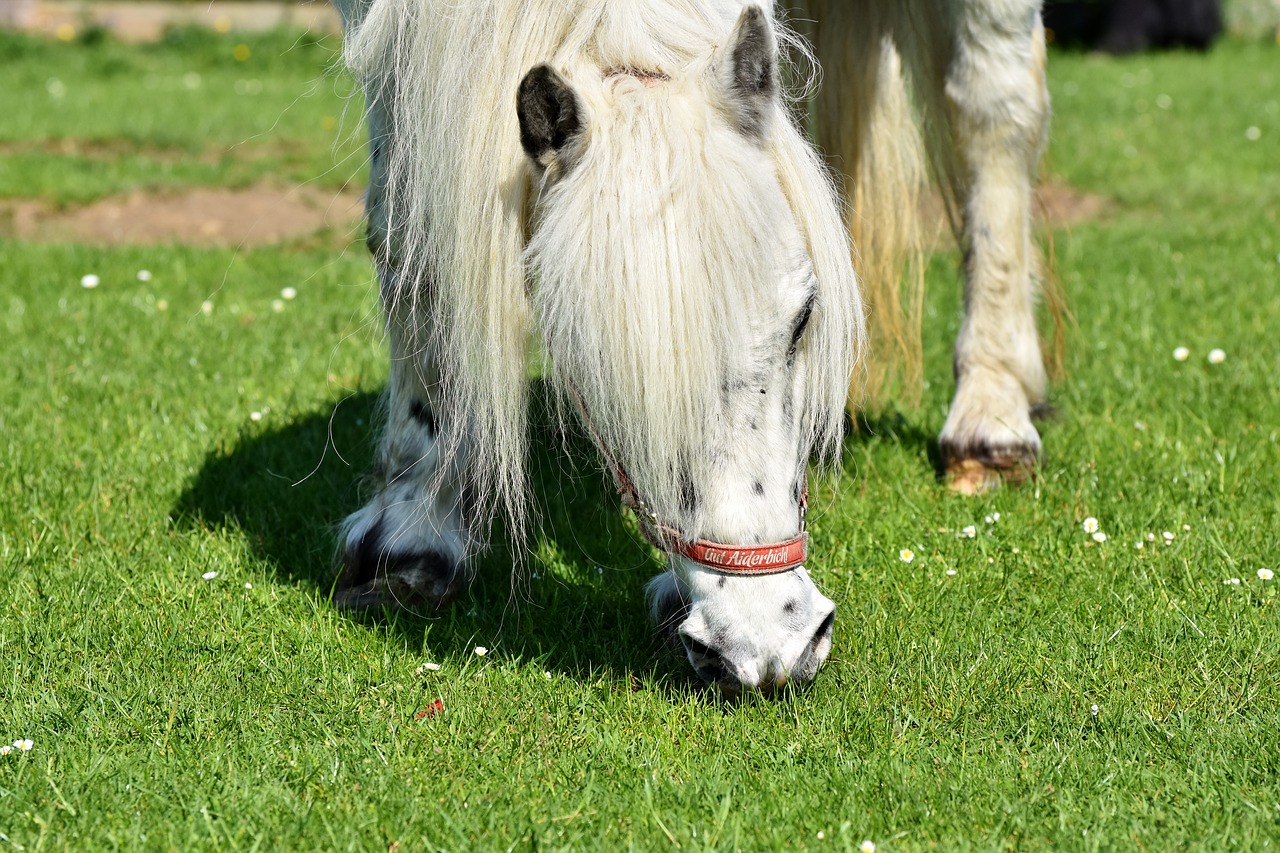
{"points": [[802, 321]]}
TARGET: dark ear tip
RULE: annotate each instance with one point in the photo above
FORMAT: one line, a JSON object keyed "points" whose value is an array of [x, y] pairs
{"points": [[753, 23], [752, 69], [538, 75]]}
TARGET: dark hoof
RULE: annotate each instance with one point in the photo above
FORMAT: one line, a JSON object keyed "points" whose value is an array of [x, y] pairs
{"points": [[374, 578], [979, 471]]}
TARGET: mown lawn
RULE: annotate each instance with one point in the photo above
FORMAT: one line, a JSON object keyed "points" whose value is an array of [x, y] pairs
{"points": [[1053, 693]]}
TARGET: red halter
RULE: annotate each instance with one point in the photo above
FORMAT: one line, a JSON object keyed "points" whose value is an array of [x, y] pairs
{"points": [[771, 559]]}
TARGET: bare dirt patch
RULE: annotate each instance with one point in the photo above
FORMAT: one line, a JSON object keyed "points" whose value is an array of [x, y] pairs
{"points": [[146, 20], [268, 214], [93, 149], [114, 150], [1055, 206], [1062, 206], [262, 214]]}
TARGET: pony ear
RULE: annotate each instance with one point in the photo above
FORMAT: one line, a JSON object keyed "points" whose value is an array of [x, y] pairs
{"points": [[550, 115], [749, 72]]}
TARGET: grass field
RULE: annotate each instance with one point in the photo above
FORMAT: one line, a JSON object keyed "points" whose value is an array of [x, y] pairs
{"points": [[1024, 688]]}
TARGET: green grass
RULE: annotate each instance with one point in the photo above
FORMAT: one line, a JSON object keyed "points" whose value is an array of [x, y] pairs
{"points": [[171, 712], [185, 111]]}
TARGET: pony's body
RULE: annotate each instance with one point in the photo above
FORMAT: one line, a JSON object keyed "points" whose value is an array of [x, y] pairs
{"points": [[625, 180]]}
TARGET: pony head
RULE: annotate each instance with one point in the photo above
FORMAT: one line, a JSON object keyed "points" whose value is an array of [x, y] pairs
{"points": [[691, 277]]}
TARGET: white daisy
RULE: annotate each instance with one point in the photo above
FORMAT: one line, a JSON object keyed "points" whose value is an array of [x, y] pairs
{"points": [[1168, 536], [969, 532], [1099, 537], [90, 281], [209, 575], [1181, 354], [206, 307], [24, 744], [1091, 525], [481, 651], [906, 555], [951, 573], [5, 749], [1217, 356], [1265, 574], [867, 846], [144, 275], [289, 293]]}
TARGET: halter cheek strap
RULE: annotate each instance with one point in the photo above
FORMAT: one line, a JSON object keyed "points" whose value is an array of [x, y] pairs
{"points": [[770, 559]]}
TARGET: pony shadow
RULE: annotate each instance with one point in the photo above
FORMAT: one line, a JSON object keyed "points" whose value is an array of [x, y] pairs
{"points": [[890, 425], [572, 600]]}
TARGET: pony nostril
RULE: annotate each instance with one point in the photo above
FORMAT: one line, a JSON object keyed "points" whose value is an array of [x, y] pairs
{"points": [[806, 667], [822, 636], [706, 661]]}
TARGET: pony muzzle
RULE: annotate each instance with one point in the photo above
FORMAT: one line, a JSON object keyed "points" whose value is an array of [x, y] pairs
{"points": [[759, 633]]}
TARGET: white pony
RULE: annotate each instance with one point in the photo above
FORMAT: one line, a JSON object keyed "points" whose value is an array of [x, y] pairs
{"points": [[626, 181]]}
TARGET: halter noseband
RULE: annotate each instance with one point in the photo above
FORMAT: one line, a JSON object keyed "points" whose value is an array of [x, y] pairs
{"points": [[771, 559]]}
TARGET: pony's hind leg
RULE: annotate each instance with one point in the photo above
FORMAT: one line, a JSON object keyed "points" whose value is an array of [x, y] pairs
{"points": [[407, 546], [990, 104]]}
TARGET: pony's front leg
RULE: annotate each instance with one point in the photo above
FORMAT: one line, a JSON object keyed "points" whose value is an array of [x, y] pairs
{"points": [[997, 105], [408, 546]]}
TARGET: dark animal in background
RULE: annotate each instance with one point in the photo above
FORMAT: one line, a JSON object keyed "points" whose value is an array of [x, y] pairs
{"points": [[1132, 26]]}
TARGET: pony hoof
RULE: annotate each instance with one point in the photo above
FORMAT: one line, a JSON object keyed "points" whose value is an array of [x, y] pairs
{"points": [[974, 475], [402, 582], [375, 578]]}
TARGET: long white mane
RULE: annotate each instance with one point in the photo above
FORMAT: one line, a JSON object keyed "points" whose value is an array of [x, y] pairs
{"points": [[461, 191]]}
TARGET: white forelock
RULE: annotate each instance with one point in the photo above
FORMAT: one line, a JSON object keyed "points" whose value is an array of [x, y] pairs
{"points": [[665, 307]]}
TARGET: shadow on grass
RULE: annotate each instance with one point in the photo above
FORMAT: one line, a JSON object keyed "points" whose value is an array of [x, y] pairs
{"points": [[890, 425], [574, 604]]}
